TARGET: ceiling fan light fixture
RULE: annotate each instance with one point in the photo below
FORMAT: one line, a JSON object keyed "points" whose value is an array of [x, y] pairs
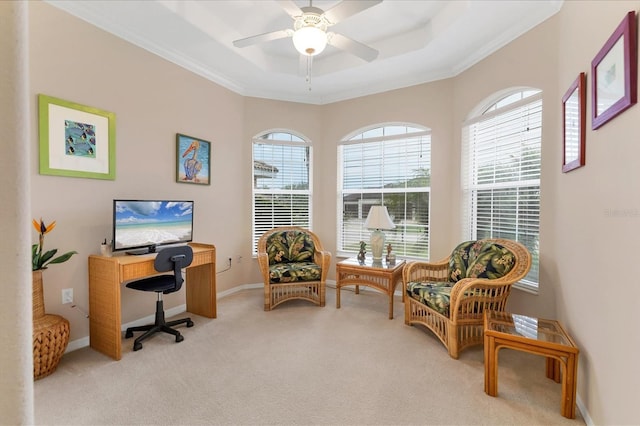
{"points": [[310, 40]]}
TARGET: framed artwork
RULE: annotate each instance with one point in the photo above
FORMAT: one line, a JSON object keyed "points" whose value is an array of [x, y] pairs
{"points": [[76, 140], [193, 160], [614, 73], [574, 114]]}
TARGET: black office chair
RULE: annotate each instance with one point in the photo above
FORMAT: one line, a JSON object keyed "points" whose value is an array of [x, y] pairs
{"points": [[170, 258]]}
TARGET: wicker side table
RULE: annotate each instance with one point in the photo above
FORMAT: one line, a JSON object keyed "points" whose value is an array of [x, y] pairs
{"points": [[381, 276], [50, 339], [537, 336]]}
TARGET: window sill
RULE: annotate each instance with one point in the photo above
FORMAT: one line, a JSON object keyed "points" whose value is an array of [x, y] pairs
{"points": [[527, 288]]}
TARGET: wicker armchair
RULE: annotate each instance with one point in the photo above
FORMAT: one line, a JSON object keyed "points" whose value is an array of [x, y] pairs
{"points": [[294, 266], [448, 297]]}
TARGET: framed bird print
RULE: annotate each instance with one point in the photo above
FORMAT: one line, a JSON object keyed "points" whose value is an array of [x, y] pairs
{"points": [[76, 140], [193, 160]]}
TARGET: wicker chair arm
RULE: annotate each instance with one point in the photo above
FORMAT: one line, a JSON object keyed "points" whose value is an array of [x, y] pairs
{"points": [[323, 258], [263, 262], [426, 271]]}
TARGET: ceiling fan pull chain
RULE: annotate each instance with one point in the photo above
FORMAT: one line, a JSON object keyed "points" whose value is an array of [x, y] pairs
{"points": [[309, 62]]}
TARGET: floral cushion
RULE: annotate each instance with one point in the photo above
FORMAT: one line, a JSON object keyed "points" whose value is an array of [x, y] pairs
{"points": [[290, 246], [435, 295], [294, 271], [471, 259], [480, 259]]}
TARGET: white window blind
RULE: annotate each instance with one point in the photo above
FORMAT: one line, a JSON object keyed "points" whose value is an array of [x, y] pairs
{"points": [[501, 174], [388, 166], [281, 183]]}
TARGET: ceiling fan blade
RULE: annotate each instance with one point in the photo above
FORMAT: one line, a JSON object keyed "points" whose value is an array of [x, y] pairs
{"points": [[354, 47], [260, 38], [290, 7], [346, 8]]}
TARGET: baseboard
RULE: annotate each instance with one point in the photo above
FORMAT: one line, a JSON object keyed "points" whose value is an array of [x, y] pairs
{"points": [[583, 411], [77, 344], [239, 288]]}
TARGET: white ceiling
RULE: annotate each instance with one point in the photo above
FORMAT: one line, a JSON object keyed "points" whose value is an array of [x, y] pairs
{"points": [[418, 40]]}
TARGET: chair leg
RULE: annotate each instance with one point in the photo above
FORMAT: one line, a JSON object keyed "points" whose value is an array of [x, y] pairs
{"points": [[186, 321], [160, 325], [169, 330], [452, 340], [137, 344]]}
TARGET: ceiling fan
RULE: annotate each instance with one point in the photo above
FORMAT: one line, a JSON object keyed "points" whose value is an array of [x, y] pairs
{"points": [[309, 32]]}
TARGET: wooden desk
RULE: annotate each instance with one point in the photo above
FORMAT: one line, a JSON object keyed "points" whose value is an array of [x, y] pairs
{"points": [[380, 276], [536, 336], [107, 274]]}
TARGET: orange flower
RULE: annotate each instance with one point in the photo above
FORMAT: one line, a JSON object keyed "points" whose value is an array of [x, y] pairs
{"points": [[40, 260], [41, 228]]}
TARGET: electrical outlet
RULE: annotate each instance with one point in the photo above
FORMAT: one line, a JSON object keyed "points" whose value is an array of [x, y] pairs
{"points": [[67, 296]]}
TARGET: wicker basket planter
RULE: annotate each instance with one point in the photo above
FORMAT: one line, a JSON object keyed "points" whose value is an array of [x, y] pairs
{"points": [[50, 334]]}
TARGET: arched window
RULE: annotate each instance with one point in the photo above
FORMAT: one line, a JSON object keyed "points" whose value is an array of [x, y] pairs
{"points": [[390, 166], [501, 157], [281, 182]]}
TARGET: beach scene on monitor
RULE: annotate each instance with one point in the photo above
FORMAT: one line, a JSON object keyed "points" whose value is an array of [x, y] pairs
{"points": [[145, 223]]}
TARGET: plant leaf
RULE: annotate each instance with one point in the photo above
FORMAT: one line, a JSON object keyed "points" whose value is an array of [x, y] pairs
{"points": [[48, 255], [64, 257]]}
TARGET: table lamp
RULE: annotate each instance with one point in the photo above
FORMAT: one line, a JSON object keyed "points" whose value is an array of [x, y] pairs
{"points": [[378, 219]]}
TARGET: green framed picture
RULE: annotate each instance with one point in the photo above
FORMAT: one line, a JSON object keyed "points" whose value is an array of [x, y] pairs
{"points": [[193, 160], [76, 140]]}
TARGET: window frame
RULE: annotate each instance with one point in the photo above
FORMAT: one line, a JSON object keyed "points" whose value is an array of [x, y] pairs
{"points": [[295, 140], [358, 138], [489, 111]]}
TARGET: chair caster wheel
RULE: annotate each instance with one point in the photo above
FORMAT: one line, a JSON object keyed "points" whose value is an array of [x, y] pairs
{"points": [[128, 334], [189, 323], [179, 338], [137, 346]]}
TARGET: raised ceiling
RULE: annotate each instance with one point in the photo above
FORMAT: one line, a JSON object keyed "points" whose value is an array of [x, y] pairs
{"points": [[418, 41]]}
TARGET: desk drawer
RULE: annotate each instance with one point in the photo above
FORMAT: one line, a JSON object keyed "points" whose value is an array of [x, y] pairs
{"points": [[132, 271]]}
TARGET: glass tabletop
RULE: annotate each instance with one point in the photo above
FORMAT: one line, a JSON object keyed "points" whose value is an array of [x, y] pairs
{"points": [[528, 327], [368, 262]]}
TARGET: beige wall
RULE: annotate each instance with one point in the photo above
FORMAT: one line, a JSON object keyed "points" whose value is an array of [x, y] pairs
{"points": [[596, 215], [531, 63], [428, 105], [582, 237], [582, 281], [153, 100]]}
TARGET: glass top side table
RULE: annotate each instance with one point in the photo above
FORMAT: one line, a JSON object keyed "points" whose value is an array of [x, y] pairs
{"points": [[534, 335]]}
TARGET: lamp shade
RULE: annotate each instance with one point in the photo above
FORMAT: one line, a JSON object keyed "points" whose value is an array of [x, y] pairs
{"points": [[378, 218], [309, 40]]}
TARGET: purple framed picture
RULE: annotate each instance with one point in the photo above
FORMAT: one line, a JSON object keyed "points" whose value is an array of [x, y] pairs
{"points": [[574, 114], [614, 73]]}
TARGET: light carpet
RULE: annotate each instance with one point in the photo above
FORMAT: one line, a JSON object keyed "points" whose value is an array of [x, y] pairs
{"points": [[297, 365]]}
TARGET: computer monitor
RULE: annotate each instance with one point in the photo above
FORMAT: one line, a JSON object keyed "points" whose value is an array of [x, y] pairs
{"points": [[141, 226]]}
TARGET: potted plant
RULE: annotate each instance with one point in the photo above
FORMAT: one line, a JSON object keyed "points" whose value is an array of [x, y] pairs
{"points": [[40, 261], [50, 332]]}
